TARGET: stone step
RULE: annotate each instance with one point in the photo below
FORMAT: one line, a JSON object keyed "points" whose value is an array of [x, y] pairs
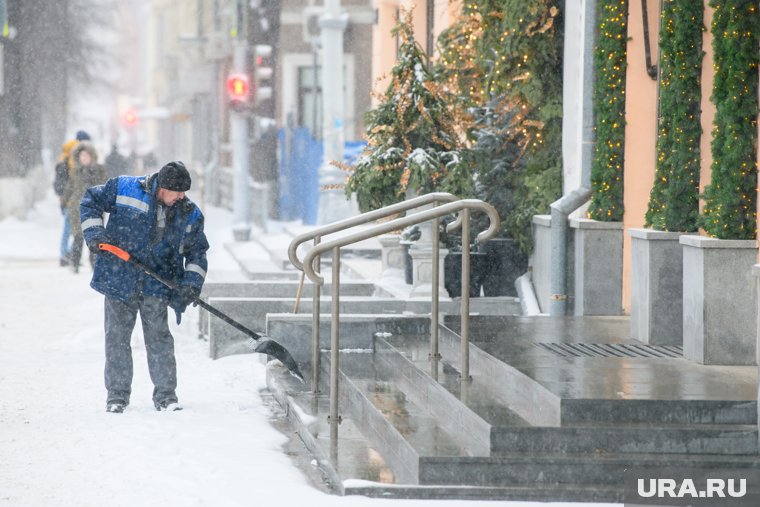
{"points": [[253, 313], [468, 410], [521, 493], [659, 411], [549, 390], [360, 469], [578, 456], [472, 408], [627, 438], [351, 457], [597, 469], [393, 423], [282, 289]]}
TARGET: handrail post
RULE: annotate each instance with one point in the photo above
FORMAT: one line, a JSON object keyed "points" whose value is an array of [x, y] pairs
{"points": [[334, 344], [434, 354], [315, 310], [464, 307], [334, 245]]}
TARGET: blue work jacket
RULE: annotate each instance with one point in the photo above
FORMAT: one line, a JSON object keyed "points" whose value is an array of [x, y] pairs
{"points": [[178, 255]]}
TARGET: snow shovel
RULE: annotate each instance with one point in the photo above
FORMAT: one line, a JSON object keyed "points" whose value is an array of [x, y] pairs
{"points": [[256, 342]]}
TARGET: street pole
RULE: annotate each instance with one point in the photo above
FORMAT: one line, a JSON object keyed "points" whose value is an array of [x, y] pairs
{"points": [[332, 203], [241, 227]]}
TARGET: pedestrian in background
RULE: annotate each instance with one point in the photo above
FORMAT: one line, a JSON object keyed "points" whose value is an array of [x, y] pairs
{"points": [[62, 172], [150, 218], [116, 163], [85, 173]]}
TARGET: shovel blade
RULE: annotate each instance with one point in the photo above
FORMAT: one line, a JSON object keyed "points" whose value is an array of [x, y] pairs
{"points": [[272, 348]]}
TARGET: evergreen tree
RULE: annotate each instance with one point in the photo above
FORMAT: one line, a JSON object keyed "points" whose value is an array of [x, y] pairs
{"points": [[503, 58], [412, 138]]}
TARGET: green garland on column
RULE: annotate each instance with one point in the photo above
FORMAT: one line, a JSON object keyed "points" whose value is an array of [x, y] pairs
{"points": [[674, 200], [609, 111], [730, 200]]}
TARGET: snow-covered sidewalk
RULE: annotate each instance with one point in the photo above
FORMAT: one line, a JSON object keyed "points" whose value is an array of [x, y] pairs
{"points": [[58, 446]]}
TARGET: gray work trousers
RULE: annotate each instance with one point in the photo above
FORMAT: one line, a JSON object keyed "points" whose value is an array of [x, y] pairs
{"points": [[120, 319]]}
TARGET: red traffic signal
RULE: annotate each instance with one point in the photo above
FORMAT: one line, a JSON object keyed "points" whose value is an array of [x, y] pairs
{"points": [[263, 72], [238, 87], [130, 117]]}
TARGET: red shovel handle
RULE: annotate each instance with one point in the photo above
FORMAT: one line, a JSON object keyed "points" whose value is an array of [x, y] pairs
{"points": [[118, 252]]}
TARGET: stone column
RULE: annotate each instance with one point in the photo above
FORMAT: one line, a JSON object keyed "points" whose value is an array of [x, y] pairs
{"points": [[392, 256], [422, 285]]}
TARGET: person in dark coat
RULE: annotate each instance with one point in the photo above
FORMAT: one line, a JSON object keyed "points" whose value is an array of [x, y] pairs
{"points": [[116, 163], [62, 170], [85, 173], [150, 218]]}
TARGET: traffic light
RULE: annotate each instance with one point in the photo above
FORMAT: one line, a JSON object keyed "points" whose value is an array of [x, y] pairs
{"points": [[262, 73], [238, 90], [130, 117]]}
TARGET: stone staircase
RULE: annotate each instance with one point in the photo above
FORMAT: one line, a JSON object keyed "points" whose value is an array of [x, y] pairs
{"points": [[436, 437]]}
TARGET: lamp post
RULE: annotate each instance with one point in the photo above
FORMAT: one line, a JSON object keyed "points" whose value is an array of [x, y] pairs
{"points": [[241, 227], [332, 204]]}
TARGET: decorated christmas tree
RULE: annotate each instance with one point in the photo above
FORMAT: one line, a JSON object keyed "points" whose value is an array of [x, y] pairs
{"points": [[502, 59], [412, 138]]}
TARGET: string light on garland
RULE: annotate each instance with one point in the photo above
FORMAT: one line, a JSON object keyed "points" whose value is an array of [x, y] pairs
{"points": [[730, 199], [674, 199], [609, 111]]}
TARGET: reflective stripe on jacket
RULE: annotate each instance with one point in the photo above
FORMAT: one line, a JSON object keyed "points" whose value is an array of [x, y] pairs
{"points": [[179, 254]]}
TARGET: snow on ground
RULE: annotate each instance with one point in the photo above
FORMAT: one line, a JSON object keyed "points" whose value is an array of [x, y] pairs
{"points": [[58, 446]]}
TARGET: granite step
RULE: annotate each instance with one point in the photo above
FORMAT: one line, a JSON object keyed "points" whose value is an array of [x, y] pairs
{"points": [[473, 407], [598, 469], [549, 390], [355, 466]]}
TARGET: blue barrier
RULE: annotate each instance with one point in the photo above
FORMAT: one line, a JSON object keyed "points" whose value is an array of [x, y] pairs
{"points": [[300, 158]]}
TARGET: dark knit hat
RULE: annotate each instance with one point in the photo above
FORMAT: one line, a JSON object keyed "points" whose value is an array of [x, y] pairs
{"points": [[174, 176], [81, 135]]}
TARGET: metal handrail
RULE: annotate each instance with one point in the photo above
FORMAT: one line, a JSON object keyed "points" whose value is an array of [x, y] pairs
{"points": [[316, 235], [364, 218], [465, 206]]}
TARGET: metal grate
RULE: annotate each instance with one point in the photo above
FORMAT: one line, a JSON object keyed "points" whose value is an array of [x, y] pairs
{"points": [[613, 350]]}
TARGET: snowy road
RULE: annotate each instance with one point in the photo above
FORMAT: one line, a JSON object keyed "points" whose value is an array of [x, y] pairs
{"points": [[58, 446]]}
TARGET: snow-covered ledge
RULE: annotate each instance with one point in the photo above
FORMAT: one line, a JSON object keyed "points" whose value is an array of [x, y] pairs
{"points": [[18, 195]]}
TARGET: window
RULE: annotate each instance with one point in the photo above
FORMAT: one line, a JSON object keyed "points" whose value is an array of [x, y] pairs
{"points": [[310, 99]]}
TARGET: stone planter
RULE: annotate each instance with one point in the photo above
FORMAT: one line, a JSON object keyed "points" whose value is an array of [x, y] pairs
{"points": [[453, 273], [756, 273], [718, 300], [598, 267], [656, 286], [504, 264], [540, 259]]}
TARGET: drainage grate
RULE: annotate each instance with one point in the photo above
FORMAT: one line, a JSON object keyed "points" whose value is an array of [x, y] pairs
{"points": [[613, 350]]}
